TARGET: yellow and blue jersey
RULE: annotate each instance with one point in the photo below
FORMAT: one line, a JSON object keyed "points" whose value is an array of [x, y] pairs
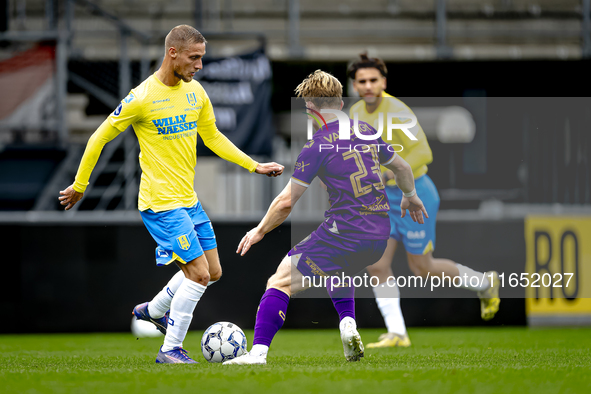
{"points": [[166, 120], [416, 153]]}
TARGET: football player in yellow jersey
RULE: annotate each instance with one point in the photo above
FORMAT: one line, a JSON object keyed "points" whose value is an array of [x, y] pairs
{"points": [[167, 111], [369, 80]]}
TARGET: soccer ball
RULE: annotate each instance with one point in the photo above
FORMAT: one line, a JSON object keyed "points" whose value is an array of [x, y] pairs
{"points": [[223, 341]]}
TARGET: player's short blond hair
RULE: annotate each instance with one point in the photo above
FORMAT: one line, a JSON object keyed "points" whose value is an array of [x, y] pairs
{"points": [[181, 36], [322, 89]]}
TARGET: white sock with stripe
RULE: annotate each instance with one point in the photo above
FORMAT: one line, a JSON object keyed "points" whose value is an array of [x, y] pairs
{"points": [[388, 300], [181, 313], [160, 304]]}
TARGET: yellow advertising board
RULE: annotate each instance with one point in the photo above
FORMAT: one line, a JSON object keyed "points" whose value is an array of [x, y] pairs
{"points": [[558, 264]]}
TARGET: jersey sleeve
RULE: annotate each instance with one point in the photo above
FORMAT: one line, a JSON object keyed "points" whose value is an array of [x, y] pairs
{"points": [[94, 147], [307, 165], [127, 112], [206, 115], [385, 155]]}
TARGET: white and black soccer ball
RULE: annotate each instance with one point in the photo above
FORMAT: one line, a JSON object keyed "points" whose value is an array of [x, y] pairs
{"points": [[223, 341]]}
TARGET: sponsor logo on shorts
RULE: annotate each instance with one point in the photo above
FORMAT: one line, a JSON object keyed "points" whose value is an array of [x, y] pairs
{"points": [[416, 234], [184, 242], [315, 268], [118, 109]]}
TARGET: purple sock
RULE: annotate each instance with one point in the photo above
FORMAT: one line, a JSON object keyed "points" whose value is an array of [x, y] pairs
{"points": [[343, 299], [270, 317]]}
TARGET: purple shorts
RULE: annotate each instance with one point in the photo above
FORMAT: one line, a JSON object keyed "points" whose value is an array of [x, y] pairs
{"points": [[325, 254]]}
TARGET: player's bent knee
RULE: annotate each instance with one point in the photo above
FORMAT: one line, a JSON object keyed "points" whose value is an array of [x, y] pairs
{"points": [[198, 275], [276, 281], [271, 282], [216, 275], [202, 279]]}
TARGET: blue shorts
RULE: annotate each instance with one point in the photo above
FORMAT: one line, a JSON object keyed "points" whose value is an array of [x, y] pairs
{"points": [[417, 238], [182, 234], [325, 254]]}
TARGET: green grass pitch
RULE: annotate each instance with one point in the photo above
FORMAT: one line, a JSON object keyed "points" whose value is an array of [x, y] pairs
{"points": [[441, 360]]}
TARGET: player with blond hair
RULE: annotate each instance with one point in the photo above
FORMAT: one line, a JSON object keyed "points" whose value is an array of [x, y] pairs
{"points": [[355, 231], [369, 80], [167, 111]]}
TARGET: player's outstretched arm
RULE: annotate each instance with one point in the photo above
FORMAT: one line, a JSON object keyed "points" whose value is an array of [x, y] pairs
{"points": [[74, 193], [406, 183], [278, 211], [224, 148]]}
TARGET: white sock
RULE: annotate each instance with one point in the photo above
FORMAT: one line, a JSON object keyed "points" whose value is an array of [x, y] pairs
{"points": [[211, 282], [160, 304], [181, 313], [347, 320], [388, 300], [259, 350], [467, 273]]}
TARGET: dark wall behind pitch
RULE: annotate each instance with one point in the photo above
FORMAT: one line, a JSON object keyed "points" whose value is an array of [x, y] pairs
{"points": [[78, 278]]}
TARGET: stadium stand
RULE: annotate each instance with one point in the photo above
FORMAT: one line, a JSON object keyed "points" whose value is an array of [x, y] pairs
{"points": [[112, 45]]}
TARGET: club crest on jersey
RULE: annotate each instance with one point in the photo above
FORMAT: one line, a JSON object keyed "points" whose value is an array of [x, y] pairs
{"points": [[184, 242], [192, 99]]}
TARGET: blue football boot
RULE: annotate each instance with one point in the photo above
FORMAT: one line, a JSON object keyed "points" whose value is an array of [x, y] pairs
{"points": [[141, 313], [178, 355]]}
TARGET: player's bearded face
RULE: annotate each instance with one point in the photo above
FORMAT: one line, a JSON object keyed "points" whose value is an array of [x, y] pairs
{"points": [[369, 83], [188, 62]]}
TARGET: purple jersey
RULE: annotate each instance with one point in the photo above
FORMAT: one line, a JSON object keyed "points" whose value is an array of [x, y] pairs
{"points": [[350, 169]]}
